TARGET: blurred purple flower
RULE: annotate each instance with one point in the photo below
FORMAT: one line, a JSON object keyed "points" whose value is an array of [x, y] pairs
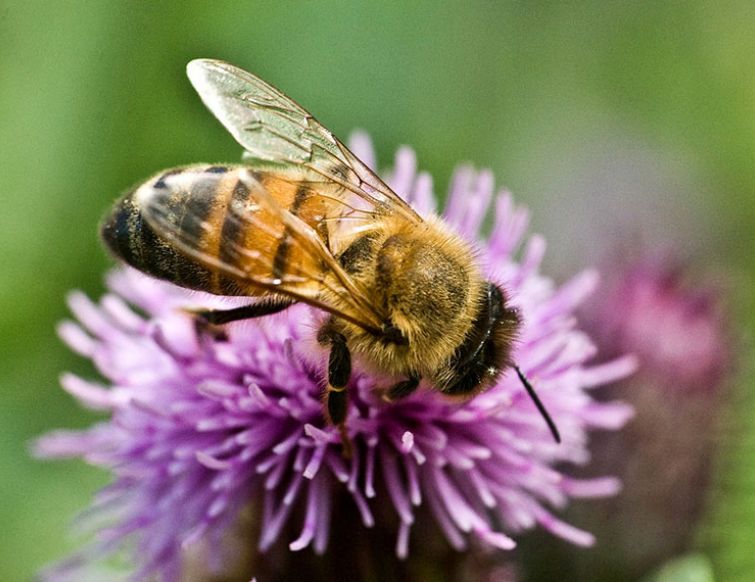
{"points": [[204, 428], [653, 306], [650, 308]]}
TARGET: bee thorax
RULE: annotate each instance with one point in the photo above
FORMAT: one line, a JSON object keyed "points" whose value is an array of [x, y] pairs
{"points": [[427, 284]]}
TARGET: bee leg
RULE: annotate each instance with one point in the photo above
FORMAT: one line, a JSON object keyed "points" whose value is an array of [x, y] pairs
{"points": [[339, 372], [337, 404], [221, 316], [402, 389]]}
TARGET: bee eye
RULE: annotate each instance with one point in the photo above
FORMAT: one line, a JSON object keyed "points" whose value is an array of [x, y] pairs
{"points": [[466, 384]]}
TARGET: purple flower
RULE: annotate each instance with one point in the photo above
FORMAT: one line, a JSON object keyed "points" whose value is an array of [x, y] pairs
{"points": [[204, 428], [653, 306], [649, 307]]}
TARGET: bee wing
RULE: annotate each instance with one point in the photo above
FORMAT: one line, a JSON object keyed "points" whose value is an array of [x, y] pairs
{"points": [[306, 271], [273, 128]]}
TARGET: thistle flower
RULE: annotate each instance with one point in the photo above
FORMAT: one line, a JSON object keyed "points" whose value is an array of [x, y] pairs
{"points": [[650, 307], [653, 307], [208, 432]]}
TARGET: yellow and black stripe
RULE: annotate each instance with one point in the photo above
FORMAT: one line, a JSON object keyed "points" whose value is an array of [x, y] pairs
{"points": [[212, 210]]}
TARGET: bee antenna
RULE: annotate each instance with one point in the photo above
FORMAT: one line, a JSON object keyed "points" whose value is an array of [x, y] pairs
{"points": [[540, 407]]}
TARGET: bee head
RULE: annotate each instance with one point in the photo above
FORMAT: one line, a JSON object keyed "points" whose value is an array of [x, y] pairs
{"points": [[486, 350]]}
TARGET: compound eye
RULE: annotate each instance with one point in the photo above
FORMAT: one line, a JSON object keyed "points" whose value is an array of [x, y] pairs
{"points": [[465, 385]]}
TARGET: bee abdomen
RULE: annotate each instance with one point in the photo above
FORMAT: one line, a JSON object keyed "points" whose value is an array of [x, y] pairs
{"points": [[130, 238], [206, 228]]}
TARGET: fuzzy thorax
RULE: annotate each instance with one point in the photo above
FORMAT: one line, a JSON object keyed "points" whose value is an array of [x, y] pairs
{"points": [[428, 283]]}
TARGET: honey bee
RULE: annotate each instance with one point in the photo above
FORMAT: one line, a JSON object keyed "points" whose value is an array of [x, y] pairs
{"points": [[304, 220]]}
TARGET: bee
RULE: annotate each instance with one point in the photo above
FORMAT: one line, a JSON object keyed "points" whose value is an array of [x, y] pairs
{"points": [[304, 220]]}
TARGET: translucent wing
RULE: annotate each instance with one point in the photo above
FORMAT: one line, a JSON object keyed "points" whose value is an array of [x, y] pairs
{"points": [[256, 233], [273, 128]]}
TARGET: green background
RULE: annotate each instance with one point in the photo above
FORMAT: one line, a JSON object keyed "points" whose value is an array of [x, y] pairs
{"points": [[594, 113]]}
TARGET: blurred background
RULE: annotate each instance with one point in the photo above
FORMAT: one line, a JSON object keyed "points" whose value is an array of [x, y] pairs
{"points": [[608, 120]]}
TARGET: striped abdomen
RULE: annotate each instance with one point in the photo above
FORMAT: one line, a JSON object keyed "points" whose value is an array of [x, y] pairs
{"points": [[211, 233]]}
